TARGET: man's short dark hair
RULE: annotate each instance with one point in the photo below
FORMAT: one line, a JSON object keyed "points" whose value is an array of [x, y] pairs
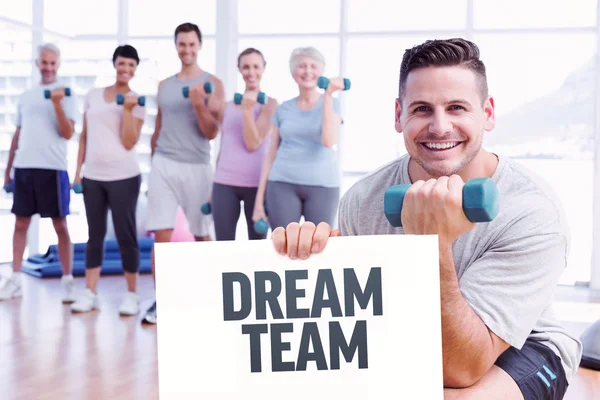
{"points": [[126, 51], [443, 53], [188, 27]]}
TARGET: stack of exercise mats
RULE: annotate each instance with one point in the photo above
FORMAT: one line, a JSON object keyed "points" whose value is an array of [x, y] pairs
{"points": [[48, 264]]}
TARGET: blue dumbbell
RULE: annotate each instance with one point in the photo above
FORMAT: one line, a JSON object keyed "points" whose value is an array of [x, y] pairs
{"points": [[261, 227], [9, 187], [47, 93], [78, 188], [480, 201], [208, 88], [323, 83], [261, 98], [121, 100], [206, 208]]}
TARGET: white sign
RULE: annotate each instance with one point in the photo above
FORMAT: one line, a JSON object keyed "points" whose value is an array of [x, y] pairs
{"points": [[361, 320]]}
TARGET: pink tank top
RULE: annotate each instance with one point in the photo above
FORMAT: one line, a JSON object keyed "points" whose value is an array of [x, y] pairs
{"points": [[236, 165]]}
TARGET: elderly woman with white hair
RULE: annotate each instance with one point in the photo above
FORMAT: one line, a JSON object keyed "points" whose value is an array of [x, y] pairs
{"points": [[300, 174]]}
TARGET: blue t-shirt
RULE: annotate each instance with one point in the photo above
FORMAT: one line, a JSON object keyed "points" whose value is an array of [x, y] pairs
{"points": [[40, 144], [302, 158]]}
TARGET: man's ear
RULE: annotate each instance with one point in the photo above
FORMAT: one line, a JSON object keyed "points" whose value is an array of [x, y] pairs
{"points": [[489, 109], [397, 115]]}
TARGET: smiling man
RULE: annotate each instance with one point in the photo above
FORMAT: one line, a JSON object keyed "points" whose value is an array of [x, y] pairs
{"points": [[38, 153], [182, 174], [499, 337]]}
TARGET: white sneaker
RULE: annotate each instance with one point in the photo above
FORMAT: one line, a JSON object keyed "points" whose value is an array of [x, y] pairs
{"points": [[69, 288], [130, 304], [150, 317], [86, 301], [10, 288]]}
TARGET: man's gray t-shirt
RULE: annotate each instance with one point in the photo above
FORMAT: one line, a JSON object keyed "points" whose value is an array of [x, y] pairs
{"points": [[508, 268]]}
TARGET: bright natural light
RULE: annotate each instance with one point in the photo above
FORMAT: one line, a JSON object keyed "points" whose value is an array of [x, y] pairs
{"points": [[543, 82]]}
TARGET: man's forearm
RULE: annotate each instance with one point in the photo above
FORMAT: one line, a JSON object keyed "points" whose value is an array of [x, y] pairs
{"points": [[208, 124], [466, 341], [11, 153], [65, 127]]}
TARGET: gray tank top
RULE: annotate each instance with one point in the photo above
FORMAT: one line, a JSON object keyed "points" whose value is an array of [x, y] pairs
{"points": [[180, 137]]}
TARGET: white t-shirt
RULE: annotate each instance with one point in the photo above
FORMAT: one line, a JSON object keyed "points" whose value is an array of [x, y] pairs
{"points": [[106, 158], [40, 144]]}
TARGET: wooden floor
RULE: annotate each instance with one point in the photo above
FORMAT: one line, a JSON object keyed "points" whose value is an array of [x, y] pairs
{"points": [[48, 353]]}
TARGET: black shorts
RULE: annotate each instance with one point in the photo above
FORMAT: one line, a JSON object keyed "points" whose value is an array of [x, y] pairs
{"points": [[41, 191], [536, 369]]}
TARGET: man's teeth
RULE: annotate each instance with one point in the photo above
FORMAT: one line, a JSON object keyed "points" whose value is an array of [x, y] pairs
{"points": [[440, 146]]}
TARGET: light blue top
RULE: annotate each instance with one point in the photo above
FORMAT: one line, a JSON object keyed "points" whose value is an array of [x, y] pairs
{"points": [[302, 158], [40, 144]]}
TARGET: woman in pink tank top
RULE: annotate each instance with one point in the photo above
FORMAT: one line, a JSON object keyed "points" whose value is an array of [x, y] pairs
{"points": [[245, 133]]}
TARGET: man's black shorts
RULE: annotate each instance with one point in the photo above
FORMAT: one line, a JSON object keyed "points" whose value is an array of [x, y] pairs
{"points": [[536, 369]]}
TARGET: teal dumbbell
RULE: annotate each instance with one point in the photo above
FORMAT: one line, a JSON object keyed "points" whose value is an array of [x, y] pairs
{"points": [[121, 99], [208, 88], [261, 227], [9, 187], [206, 208], [480, 201], [323, 83], [78, 188], [261, 98], [47, 93]]}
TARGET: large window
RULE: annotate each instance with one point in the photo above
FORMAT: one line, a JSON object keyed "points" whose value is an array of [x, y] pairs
{"points": [[389, 15], [276, 16], [160, 18], [519, 14], [20, 11], [544, 87], [76, 17]]}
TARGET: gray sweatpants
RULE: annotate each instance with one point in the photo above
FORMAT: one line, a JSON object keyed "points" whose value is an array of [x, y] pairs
{"points": [[286, 203], [226, 210]]}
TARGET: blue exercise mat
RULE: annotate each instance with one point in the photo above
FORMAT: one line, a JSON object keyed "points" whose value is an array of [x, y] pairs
{"points": [[53, 269], [111, 250], [48, 264]]}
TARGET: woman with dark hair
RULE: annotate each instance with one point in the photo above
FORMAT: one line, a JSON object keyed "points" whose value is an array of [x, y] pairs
{"points": [[112, 123], [245, 135]]}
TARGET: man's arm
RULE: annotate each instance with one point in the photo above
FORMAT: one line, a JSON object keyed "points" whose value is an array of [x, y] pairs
{"points": [[11, 154], [469, 347], [209, 114], [66, 126], [504, 291], [154, 138], [157, 122]]}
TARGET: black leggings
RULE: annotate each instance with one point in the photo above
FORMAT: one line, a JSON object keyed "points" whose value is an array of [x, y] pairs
{"points": [[226, 210], [287, 202], [121, 197]]}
